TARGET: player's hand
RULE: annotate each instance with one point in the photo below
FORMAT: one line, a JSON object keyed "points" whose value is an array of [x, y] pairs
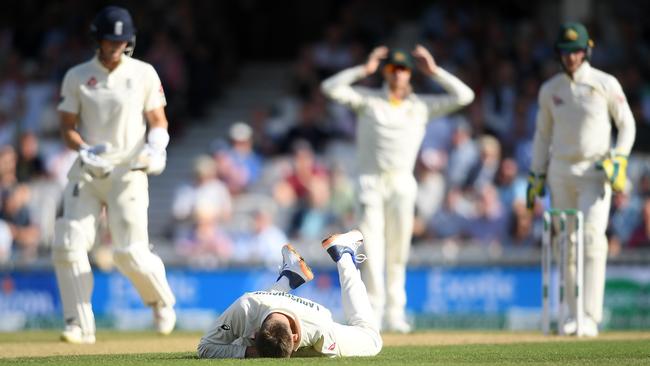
{"points": [[615, 168], [374, 59], [92, 161], [424, 60], [150, 160], [536, 188]]}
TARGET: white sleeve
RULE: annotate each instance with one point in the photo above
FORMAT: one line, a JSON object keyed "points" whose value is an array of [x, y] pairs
{"points": [[154, 93], [219, 342], [459, 95], [622, 116], [543, 133], [69, 95], [339, 87]]}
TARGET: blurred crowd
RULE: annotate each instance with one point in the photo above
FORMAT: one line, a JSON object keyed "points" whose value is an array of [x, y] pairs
{"points": [[287, 172]]}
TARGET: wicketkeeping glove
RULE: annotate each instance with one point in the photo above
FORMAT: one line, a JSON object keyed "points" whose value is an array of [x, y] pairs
{"points": [[536, 188], [93, 163], [615, 168]]}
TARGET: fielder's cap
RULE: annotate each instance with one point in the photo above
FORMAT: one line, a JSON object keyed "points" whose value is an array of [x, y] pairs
{"points": [[113, 23], [399, 57], [241, 131], [572, 37]]}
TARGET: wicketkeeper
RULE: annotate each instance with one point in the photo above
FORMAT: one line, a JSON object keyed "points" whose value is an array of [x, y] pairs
{"points": [[573, 150]]}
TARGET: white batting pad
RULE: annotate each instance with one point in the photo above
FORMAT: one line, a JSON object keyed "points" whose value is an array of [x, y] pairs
{"points": [[147, 273], [75, 280]]}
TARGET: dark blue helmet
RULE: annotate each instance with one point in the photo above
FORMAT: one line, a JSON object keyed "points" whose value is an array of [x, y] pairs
{"points": [[114, 24]]}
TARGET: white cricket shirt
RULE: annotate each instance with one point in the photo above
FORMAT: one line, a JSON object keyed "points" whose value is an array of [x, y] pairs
{"points": [[111, 105], [236, 327], [389, 135], [573, 122]]}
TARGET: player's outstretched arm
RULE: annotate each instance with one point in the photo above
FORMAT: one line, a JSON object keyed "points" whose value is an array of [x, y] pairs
{"points": [[458, 93], [339, 86]]}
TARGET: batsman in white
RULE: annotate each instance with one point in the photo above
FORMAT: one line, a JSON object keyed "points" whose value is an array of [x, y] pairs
{"points": [[573, 148], [104, 104], [391, 125], [275, 323]]}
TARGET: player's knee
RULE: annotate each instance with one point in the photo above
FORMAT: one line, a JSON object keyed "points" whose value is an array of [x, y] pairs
{"points": [[595, 242], [71, 235], [62, 256], [133, 258]]}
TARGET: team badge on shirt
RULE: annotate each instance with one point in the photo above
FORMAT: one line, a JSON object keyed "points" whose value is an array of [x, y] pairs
{"points": [[225, 327], [92, 82]]}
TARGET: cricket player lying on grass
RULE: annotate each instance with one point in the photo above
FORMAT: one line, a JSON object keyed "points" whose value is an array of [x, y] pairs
{"points": [[274, 323]]}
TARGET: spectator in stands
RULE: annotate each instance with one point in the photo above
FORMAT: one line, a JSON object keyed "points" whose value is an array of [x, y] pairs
{"points": [[294, 190], [310, 125], [204, 191], [640, 236], [264, 239], [625, 216], [204, 243], [431, 188], [487, 224], [463, 156], [484, 171], [246, 163], [30, 164]]}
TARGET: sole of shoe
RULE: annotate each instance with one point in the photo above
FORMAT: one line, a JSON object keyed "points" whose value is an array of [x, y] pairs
{"points": [[330, 240], [306, 270]]}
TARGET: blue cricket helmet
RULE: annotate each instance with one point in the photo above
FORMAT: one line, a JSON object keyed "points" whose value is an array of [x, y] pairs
{"points": [[113, 23]]}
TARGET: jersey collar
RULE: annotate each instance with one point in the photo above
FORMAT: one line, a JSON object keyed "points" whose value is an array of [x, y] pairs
{"points": [[101, 66], [582, 73]]}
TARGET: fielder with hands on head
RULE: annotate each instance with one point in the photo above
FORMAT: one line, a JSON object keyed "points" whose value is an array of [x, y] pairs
{"points": [[275, 323], [391, 127], [573, 150], [104, 104]]}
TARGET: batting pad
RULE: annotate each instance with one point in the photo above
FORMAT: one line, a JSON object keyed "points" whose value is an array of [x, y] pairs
{"points": [[75, 280], [147, 273], [73, 235]]}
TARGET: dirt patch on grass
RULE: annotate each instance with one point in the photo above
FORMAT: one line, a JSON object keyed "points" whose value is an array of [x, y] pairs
{"points": [[41, 344]]}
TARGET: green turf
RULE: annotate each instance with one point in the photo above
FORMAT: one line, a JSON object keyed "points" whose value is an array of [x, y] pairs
{"points": [[547, 353]]}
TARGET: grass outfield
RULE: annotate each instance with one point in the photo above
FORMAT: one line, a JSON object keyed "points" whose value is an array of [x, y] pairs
{"points": [[430, 348]]}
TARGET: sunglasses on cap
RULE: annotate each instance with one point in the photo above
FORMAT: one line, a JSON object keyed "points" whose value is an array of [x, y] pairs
{"points": [[392, 68]]}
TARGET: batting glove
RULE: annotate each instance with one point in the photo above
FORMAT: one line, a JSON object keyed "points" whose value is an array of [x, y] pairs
{"points": [[536, 188], [615, 168], [150, 160], [153, 157], [93, 163]]}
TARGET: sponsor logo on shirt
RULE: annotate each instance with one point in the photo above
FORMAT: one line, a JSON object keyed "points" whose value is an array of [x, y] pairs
{"points": [[225, 327], [332, 347]]}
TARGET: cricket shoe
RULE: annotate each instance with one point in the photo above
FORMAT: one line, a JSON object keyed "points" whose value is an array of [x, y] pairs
{"points": [[74, 335], [589, 327], [294, 267], [164, 319], [338, 244], [397, 325]]}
